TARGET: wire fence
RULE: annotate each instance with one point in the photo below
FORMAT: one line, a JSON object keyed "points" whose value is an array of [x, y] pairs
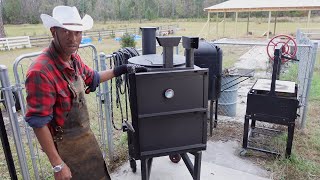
{"points": [[307, 54]]}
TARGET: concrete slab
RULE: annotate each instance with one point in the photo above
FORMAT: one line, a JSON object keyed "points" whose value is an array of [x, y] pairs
{"points": [[219, 161], [164, 169]]}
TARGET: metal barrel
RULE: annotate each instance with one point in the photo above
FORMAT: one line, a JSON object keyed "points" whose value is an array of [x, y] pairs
{"points": [[227, 103]]}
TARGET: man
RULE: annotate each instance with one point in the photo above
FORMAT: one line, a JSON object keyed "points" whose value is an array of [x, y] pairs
{"points": [[56, 107]]}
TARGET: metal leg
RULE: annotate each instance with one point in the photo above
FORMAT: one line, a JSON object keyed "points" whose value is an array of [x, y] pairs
{"points": [[211, 116], [188, 163], [245, 132], [146, 168], [290, 139], [149, 163], [252, 127], [253, 123], [197, 165], [196, 168], [216, 115]]}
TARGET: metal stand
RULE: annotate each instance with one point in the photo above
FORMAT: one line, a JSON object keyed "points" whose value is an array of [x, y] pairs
{"points": [[248, 133], [194, 168], [6, 149]]}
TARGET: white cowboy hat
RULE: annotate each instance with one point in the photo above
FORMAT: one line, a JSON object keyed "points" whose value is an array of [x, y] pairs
{"points": [[68, 18]]}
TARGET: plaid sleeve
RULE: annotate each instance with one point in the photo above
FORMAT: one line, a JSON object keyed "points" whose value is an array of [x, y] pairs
{"points": [[41, 95]]}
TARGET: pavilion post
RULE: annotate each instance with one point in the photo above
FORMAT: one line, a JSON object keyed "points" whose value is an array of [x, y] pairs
{"points": [[309, 16], [269, 20], [236, 24], [248, 23], [208, 24], [224, 23], [275, 23], [217, 25]]}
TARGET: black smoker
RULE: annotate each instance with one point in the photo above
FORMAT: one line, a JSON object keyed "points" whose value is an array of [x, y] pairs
{"points": [[209, 56], [271, 101], [168, 105]]}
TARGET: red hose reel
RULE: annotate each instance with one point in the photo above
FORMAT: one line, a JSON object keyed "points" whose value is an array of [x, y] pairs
{"points": [[289, 47]]}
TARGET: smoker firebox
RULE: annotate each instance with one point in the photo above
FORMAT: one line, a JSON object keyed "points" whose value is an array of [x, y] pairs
{"points": [[272, 101]]}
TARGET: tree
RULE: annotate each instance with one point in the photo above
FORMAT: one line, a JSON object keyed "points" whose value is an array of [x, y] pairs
{"points": [[2, 32], [12, 10], [127, 40]]}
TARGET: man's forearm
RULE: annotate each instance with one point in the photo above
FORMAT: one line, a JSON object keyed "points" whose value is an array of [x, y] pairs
{"points": [[106, 75], [45, 139]]}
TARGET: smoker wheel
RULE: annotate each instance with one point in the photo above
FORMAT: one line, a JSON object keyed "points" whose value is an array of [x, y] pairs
{"points": [[133, 165], [175, 158], [243, 152]]}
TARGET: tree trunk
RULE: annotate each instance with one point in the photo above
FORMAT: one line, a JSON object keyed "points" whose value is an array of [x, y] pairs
{"points": [[2, 32]]}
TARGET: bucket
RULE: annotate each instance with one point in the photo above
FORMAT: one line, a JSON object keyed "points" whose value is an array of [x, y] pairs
{"points": [[227, 103]]}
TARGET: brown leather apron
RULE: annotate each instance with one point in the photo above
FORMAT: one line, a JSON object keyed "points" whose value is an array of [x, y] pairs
{"points": [[75, 142]]}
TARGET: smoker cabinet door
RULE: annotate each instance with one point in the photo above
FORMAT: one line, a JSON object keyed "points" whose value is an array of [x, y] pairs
{"points": [[178, 132], [170, 91]]}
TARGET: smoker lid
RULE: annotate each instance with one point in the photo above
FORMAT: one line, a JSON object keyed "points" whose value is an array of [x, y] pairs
{"points": [[156, 60], [206, 49]]}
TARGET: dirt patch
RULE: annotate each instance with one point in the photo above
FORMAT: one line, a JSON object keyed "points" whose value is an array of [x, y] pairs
{"points": [[121, 157], [227, 131]]}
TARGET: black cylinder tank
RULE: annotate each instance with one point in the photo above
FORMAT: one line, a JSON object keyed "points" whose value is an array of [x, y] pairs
{"points": [[148, 40], [209, 56]]}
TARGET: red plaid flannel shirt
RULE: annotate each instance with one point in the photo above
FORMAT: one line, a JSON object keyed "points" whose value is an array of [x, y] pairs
{"points": [[48, 95]]}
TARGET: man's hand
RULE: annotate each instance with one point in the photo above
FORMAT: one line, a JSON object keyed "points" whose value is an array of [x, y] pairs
{"points": [[128, 68], [117, 71], [64, 174]]}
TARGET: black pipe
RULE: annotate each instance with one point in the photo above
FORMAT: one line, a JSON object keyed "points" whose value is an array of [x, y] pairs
{"points": [[190, 43], [276, 67], [148, 40], [6, 149]]}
